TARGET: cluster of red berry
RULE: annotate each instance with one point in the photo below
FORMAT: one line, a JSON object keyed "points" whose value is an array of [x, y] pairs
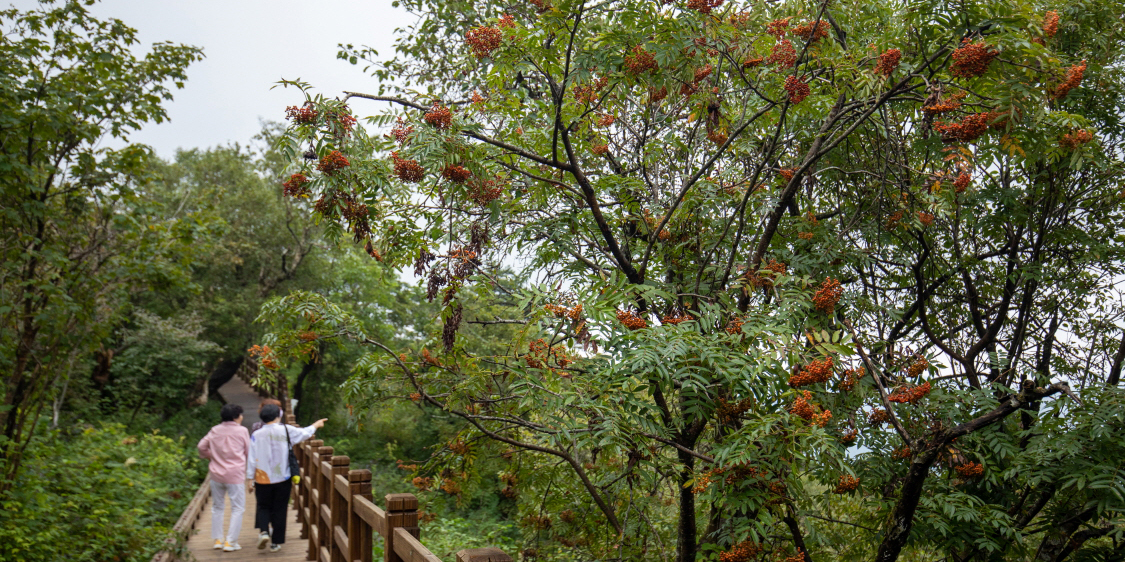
{"points": [[811, 32], [296, 186], [804, 409], [301, 115], [729, 412], [799, 557], [605, 120], [849, 437], [568, 516], [778, 28], [630, 320], [878, 416], [655, 95], [484, 40], [888, 62], [910, 395], [764, 278], [600, 149], [506, 22], [430, 359], [903, 453], [541, 5], [745, 551], [456, 173], [945, 105], [484, 192], [1073, 79], [640, 61], [735, 326], [675, 320], [783, 54], [265, 356], [439, 117], [401, 131], [753, 62], [849, 379], [968, 129], [925, 218], [740, 19], [718, 136], [332, 162], [588, 93], [423, 483], [969, 470], [846, 484], [817, 371], [798, 89], [1075, 139], [407, 170], [828, 295], [704, 6], [918, 367], [962, 182], [972, 59], [415, 397], [1051, 23]]}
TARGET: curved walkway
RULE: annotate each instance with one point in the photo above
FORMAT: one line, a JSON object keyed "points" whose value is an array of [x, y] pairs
{"points": [[236, 391]]}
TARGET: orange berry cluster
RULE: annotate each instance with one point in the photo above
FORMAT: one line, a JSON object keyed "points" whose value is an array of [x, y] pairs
{"points": [[778, 28], [630, 320], [849, 437], [450, 486], [459, 447], [675, 320], [972, 59], [816, 371], [1075, 139], [717, 136], [797, 88], [655, 95], [423, 483], [745, 551], [910, 395], [962, 182], [600, 149], [752, 62], [918, 367], [640, 61], [945, 105], [307, 335], [541, 5], [811, 32], [878, 416], [296, 186], [805, 235], [969, 470], [401, 131], [888, 62], [903, 453], [483, 40], [588, 93], [506, 22], [430, 358], [1073, 79], [439, 117], [799, 557], [783, 54], [728, 412], [1051, 23], [925, 218], [787, 173], [606, 120], [540, 522], [762, 279], [265, 355], [301, 115], [407, 170], [804, 409], [968, 129], [456, 173], [568, 516], [850, 378], [704, 6], [828, 295], [735, 326], [332, 162], [846, 484], [740, 19], [415, 397], [484, 192]]}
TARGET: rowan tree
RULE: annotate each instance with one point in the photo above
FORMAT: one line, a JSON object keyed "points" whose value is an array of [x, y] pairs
{"points": [[797, 279]]}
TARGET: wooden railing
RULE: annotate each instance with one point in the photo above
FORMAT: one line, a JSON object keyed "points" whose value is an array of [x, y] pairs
{"points": [[338, 516], [186, 523]]}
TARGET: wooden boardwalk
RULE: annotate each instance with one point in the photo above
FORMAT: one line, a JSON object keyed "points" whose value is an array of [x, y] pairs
{"points": [[200, 544]]}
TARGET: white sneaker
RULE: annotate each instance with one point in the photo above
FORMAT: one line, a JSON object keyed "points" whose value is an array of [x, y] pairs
{"points": [[275, 547], [218, 544], [263, 540], [228, 547]]}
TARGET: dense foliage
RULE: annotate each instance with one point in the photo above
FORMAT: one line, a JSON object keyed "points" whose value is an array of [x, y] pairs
{"points": [[794, 279]]}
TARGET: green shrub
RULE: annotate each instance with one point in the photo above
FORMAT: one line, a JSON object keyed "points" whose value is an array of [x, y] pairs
{"points": [[96, 494]]}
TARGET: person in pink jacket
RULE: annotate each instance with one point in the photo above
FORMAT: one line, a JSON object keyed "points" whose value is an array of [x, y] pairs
{"points": [[227, 446]]}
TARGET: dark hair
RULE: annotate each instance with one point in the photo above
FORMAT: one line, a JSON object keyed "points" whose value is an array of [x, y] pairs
{"points": [[269, 412], [230, 412]]}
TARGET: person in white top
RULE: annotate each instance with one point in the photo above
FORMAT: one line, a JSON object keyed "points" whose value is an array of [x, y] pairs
{"points": [[267, 473]]}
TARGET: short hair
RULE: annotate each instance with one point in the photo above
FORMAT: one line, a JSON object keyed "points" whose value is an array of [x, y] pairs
{"points": [[268, 401], [230, 412], [269, 413]]}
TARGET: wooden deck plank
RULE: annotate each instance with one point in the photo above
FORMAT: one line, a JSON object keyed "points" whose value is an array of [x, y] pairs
{"points": [[200, 542]]}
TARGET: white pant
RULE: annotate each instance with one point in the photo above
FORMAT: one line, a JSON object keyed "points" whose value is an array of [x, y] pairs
{"points": [[237, 493]]}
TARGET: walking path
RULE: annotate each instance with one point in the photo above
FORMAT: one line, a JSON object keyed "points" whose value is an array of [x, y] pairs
{"points": [[235, 391]]}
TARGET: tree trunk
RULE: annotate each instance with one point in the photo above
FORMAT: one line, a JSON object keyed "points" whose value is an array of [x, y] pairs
{"points": [[686, 545]]}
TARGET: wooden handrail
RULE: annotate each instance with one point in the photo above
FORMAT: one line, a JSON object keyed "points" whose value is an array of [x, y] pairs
{"points": [[339, 518], [184, 525]]}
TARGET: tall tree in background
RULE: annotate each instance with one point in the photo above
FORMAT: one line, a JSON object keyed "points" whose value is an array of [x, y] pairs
{"points": [[78, 238], [759, 234]]}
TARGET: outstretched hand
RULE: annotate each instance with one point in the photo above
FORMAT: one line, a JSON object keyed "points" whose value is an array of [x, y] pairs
{"points": [[319, 423]]}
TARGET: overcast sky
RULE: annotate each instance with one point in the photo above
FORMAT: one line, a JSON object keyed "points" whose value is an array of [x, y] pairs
{"points": [[250, 45]]}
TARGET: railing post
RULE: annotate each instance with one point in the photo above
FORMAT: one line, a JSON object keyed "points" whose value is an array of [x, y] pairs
{"points": [[338, 505], [316, 498], [488, 554], [401, 511], [359, 532], [304, 457]]}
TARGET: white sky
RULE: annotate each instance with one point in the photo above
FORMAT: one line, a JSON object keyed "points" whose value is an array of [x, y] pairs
{"points": [[250, 45]]}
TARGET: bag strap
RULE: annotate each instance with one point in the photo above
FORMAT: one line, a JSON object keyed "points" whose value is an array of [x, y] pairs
{"points": [[287, 441]]}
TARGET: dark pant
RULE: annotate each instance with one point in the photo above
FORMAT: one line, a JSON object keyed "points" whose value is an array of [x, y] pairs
{"points": [[273, 505]]}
